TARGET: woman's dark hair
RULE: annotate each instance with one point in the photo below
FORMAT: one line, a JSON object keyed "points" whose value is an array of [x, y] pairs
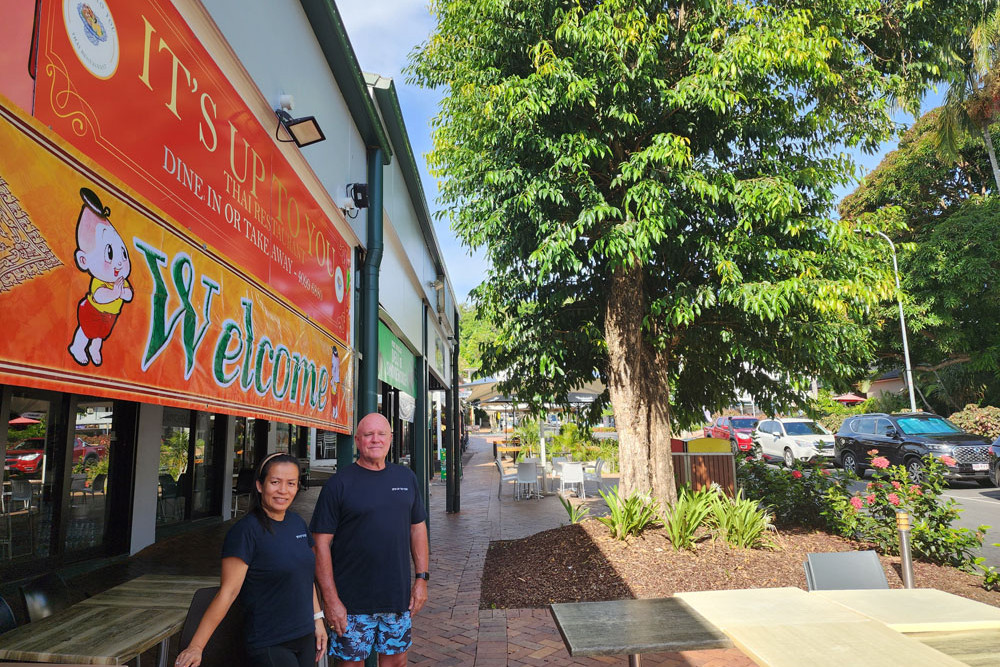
{"points": [[256, 499]]}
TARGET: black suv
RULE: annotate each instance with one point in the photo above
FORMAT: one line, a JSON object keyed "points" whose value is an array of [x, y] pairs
{"points": [[904, 439]]}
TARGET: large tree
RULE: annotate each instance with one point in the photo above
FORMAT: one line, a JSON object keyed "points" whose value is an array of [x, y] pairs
{"points": [[943, 215], [653, 184]]}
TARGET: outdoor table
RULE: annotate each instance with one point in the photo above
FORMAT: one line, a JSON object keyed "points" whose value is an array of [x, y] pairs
{"points": [[633, 627], [789, 627], [513, 450], [110, 628]]}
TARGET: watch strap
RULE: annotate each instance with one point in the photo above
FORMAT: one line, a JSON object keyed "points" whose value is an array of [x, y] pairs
{"points": [[422, 575]]}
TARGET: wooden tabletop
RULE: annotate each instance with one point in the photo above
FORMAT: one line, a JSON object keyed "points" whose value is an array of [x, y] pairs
{"points": [[110, 628], [918, 609], [788, 627], [619, 627]]}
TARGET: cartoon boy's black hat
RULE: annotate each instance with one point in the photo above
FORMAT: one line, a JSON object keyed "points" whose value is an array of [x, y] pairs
{"points": [[93, 202]]}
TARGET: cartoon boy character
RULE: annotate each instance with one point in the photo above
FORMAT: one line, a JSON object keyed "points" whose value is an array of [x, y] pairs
{"points": [[100, 252], [334, 379]]}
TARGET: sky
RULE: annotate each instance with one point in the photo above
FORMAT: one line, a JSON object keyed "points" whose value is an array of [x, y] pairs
{"points": [[383, 33]]}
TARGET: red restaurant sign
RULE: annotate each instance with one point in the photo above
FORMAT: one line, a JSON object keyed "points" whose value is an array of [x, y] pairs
{"points": [[130, 85]]}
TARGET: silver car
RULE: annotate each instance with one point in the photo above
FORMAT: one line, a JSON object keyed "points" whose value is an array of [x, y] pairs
{"points": [[793, 439]]}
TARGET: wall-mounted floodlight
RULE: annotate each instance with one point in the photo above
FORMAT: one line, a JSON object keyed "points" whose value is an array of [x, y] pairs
{"points": [[304, 131]]}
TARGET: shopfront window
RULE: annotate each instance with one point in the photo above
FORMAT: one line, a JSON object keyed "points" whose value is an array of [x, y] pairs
{"points": [[283, 437], [90, 478], [189, 480], [175, 441], [33, 468]]}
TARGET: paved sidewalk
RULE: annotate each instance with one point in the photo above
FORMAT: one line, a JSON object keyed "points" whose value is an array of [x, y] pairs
{"points": [[452, 630]]}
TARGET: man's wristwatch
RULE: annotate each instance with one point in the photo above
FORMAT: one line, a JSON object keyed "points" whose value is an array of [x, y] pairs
{"points": [[422, 575]]}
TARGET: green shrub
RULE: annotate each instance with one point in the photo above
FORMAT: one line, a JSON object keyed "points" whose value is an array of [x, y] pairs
{"points": [[627, 516], [741, 522], [981, 421], [682, 519], [576, 514], [796, 497]]}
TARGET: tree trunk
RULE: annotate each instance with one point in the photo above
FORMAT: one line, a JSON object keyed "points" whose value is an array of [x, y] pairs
{"points": [[640, 391], [993, 155]]}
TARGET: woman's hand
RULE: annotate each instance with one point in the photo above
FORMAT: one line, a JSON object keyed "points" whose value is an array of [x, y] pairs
{"points": [[321, 638], [189, 657]]}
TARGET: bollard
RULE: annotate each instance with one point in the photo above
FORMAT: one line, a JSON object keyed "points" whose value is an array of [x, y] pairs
{"points": [[906, 558]]}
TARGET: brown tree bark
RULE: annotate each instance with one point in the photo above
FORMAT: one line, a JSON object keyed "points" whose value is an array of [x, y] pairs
{"points": [[639, 390]]}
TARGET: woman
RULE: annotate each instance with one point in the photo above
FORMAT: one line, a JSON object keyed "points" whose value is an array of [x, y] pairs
{"points": [[267, 559]]}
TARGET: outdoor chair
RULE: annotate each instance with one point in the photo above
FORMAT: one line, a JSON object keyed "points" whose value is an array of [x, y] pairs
{"points": [[557, 464], [7, 620], [97, 486], [844, 570], [243, 489], [595, 475], [226, 646], [78, 484], [46, 595], [504, 477], [21, 492], [572, 475], [527, 479]]}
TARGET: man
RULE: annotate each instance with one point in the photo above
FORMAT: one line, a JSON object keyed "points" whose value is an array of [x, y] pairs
{"points": [[368, 521]]}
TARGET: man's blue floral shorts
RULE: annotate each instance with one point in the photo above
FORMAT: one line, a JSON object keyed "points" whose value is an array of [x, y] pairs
{"points": [[389, 633]]}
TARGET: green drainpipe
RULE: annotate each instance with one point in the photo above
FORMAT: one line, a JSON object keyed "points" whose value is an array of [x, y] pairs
{"points": [[368, 391]]}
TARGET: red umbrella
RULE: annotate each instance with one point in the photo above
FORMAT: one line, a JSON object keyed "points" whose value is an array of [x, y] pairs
{"points": [[23, 421]]}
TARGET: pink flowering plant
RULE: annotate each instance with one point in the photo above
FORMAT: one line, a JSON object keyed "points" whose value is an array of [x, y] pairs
{"points": [[869, 515]]}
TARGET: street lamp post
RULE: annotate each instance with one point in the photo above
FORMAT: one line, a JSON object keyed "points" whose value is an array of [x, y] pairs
{"points": [[902, 324]]}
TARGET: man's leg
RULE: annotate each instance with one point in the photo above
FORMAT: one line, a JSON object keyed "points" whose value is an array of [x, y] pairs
{"points": [[397, 660]]}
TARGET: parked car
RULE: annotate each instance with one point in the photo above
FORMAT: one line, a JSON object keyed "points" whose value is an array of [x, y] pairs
{"points": [[736, 429], [905, 439], [793, 439], [994, 462], [25, 458]]}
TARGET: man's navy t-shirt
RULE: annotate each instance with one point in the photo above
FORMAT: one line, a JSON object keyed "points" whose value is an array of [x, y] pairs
{"points": [[277, 594], [369, 514]]}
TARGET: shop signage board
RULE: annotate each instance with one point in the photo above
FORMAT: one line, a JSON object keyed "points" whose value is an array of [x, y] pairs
{"points": [[396, 364], [103, 292], [130, 85]]}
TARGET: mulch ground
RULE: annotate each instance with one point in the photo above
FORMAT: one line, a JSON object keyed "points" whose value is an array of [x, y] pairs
{"points": [[582, 562]]}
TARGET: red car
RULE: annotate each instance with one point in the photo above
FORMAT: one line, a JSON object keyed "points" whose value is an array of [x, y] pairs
{"points": [[25, 458], [736, 429]]}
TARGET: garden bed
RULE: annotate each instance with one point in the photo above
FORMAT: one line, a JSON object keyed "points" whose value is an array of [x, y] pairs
{"points": [[582, 562]]}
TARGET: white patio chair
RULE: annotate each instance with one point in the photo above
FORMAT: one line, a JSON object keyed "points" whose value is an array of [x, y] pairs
{"points": [[572, 475], [527, 479], [504, 476], [557, 464], [595, 476]]}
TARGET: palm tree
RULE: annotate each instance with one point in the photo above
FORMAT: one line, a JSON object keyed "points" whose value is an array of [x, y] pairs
{"points": [[973, 98]]}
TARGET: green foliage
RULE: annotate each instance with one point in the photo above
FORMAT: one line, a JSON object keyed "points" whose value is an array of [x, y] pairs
{"points": [[474, 332], [982, 421], [627, 516], [795, 497], [741, 522], [949, 264], [17, 435], [577, 513], [991, 576], [527, 431], [682, 519], [871, 516], [174, 453]]}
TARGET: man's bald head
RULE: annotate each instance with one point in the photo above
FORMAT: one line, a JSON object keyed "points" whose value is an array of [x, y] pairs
{"points": [[373, 438], [373, 419]]}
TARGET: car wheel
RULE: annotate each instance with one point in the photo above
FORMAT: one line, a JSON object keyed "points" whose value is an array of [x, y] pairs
{"points": [[789, 458], [915, 469], [736, 449], [850, 463]]}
